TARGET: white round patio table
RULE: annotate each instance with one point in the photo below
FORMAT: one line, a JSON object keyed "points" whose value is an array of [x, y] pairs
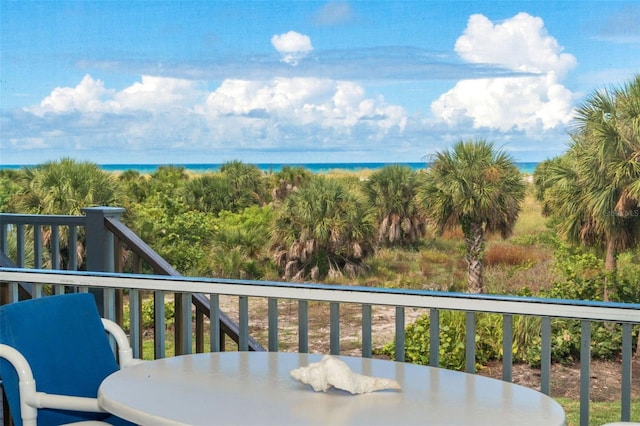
{"points": [[255, 388]]}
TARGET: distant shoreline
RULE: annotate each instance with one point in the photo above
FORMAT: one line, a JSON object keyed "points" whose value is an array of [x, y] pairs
{"points": [[524, 167]]}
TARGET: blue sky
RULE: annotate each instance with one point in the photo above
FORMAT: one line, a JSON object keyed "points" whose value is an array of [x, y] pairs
{"points": [[304, 81]]}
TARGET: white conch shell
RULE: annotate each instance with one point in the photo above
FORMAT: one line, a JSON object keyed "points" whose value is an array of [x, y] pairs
{"points": [[331, 371]]}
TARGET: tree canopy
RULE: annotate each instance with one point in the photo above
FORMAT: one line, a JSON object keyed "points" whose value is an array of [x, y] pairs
{"points": [[391, 191], [323, 228]]}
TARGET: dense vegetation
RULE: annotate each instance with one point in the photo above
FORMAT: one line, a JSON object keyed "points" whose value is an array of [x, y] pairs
{"points": [[289, 224]]}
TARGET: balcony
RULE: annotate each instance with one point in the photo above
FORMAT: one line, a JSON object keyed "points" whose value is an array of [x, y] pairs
{"points": [[33, 266]]}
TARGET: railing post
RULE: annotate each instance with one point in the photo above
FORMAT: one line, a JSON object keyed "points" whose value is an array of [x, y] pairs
{"points": [[470, 342], [100, 256], [545, 357], [214, 324], [585, 371], [434, 337], [273, 324], [507, 347], [303, 326], [400, 353], [334, 328], [183, 319], [367, 342], [99, 240], [4, 228], [625, 397], [243, 323]]}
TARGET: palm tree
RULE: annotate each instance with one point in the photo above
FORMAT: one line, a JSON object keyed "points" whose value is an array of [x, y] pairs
{"points": [[558, 188], [168, 179], [475, 187], [64, 187], [596, 196], [391, 190], [288, 180], [8, 186], [628, 99], [239, 242], [323, 228], [135, 186], [247, 184], [211, 193]]}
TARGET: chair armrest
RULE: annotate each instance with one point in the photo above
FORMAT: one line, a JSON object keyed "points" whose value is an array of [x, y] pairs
{"points": [[26, 382], [31, 400], [125, 353], [64, 402]]}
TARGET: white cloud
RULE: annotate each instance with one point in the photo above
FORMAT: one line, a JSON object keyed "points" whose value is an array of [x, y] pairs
{"points": [[158, 93], [151, 94], [166, 115], [527, 103], [335, 106], [292, 46], [86, 96], [28, 143], [520, 43]]}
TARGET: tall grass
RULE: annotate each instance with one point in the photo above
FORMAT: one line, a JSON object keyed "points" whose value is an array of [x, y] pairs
{"points": [[530, 221], [519, 265]]}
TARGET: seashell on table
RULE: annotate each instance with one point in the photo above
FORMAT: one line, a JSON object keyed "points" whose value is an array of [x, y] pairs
{"points": [[333, 372]]}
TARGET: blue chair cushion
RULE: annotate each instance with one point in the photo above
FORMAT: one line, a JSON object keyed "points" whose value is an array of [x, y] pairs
{"points": [[63, 339]]}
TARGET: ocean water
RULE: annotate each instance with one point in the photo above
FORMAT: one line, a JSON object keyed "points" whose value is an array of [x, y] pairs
{"points": [[525, 167]]}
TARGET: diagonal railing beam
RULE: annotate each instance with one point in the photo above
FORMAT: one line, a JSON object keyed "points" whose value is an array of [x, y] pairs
{"points": [[162, 267]]}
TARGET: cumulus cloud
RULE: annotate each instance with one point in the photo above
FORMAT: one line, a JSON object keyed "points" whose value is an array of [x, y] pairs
{"points": [[159, 115], [292, 46], [150, 94], [86, 96], [158, 93], [534, 101], [334, 106], [520, 43]]}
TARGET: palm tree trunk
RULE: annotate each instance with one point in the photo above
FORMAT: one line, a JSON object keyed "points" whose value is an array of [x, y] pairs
{"points": [[610, 257], [610, 267], [474, 239]]}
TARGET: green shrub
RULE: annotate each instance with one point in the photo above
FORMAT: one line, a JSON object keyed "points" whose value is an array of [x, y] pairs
{"points": [[239, 243], [148, 315], [545, 238], [452, 340], [606, 340], [627, 285], [582, 274]]}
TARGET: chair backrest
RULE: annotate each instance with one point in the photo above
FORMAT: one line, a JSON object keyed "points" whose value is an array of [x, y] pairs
{"points": [[63, 339]]}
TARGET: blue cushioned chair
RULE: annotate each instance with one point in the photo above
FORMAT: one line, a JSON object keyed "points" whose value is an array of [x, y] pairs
{"points": [[54, 354]]}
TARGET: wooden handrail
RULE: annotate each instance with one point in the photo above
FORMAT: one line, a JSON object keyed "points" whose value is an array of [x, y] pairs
{"points": [[161, 267]]}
